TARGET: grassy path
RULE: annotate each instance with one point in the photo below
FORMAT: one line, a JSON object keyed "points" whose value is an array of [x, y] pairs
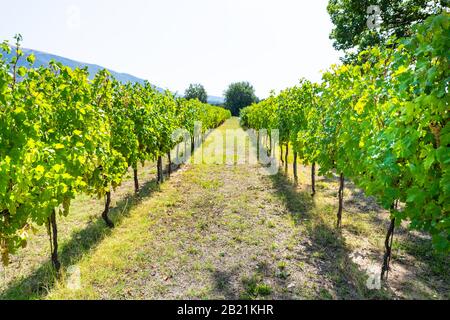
{"points": [[217, 231]]}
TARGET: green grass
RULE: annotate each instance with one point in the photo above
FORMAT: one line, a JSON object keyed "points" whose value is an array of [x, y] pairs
{"points": [[254, 288], [226, 232]]}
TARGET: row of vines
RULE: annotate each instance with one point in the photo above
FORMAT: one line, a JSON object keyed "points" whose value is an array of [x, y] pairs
{"points": [[382, 122], [62, 134]]}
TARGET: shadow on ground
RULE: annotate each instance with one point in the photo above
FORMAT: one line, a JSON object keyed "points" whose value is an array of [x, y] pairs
{"points": [[326, 248], [41, 281]]}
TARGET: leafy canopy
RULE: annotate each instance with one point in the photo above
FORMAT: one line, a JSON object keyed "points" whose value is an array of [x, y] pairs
{"points": [[239, 95], [196, 91], [396, 17]]}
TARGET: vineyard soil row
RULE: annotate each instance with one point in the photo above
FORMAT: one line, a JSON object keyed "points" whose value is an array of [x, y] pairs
{"points": [[224, 231]]}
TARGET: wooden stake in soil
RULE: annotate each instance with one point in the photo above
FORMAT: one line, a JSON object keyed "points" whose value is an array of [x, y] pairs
{"points": [[105, 217], [313, 179], [169, 165], [286, 158], [136, 180], [54, 240], [341, 200], [281, 154], [258, 142], [294, 167], [388, 250]]}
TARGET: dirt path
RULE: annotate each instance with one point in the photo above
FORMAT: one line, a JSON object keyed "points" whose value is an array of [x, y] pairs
{"points": [[216, 231]]}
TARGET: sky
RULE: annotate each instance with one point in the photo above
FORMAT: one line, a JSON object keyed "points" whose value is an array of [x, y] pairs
{"points": [[172, 43]]}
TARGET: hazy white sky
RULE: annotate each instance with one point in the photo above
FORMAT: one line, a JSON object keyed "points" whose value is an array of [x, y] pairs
{"points": [[173, 43]]}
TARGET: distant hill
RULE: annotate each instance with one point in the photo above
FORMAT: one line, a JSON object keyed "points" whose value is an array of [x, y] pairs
{"points": [[43, 59], [216, 100]]}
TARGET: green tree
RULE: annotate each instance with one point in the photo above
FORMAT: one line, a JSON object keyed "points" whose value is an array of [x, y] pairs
{"points": [[239, 95], [196, 91], [355, 28]]}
